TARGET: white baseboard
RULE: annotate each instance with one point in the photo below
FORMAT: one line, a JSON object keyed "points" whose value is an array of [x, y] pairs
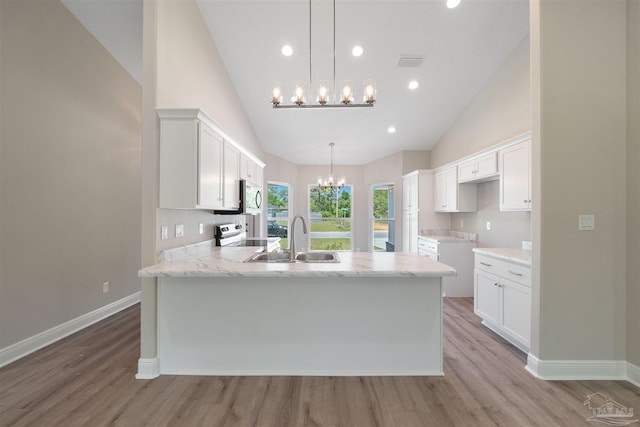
{"points": [[582, 369], [148, 369], [633, 374], [43, 339]]}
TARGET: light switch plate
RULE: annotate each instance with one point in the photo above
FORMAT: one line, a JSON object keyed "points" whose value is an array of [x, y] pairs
{"points": [[179, 230], [164, 232], [586, 222], [201, 228], [488, 225]]}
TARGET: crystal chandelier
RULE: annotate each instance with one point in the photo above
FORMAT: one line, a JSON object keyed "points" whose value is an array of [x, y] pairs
{"points": [[346, 95], [330, 182]]}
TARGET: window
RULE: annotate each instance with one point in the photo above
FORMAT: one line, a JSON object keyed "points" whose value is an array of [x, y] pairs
{"points": [[278, 212], [330, 218], [382, 217]]}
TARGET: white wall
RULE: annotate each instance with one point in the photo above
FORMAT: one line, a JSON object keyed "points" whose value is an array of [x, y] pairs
{"points": [[69, 172]]}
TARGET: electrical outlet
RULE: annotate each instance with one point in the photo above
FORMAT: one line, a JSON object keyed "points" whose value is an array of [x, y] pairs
{"points": [[201, 228], [164, 232], [179, 230], [105, 287], [488, 225]]}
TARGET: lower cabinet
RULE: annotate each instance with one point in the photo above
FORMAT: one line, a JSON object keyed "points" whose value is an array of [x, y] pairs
{"points": [[502, 298]]}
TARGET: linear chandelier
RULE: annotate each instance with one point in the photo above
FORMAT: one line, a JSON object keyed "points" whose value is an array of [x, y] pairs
{"points": [[329, 182], [347, 98]]}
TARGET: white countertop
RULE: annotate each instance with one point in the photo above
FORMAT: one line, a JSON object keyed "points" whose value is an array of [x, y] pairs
{"points": [[518, 255], [228, 262], [445, 238]]}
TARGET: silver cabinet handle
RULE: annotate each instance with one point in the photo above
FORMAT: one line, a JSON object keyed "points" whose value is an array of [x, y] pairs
{"points": [[484, 263], [514, 273], [499, 286]]}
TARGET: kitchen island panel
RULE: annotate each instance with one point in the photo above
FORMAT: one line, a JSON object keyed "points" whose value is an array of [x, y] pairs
{"points": [[300, 326]]}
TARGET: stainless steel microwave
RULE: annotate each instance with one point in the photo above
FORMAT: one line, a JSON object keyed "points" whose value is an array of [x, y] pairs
{"points": [[250, 201]]}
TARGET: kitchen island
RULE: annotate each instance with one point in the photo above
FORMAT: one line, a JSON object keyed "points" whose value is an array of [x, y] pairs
{"points": [[369, 314]]}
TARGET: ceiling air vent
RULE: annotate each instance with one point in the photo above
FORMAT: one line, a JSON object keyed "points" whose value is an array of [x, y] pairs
{"points": [[410, 60]]}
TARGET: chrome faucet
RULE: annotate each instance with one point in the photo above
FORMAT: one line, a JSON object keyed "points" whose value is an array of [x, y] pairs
{"points": [[292, 237]]}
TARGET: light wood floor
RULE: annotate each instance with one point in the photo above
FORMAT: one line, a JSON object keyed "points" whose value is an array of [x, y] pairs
{"points": [[87, 379]]}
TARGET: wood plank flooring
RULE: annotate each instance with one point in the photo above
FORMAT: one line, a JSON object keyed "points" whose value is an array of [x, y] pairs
{"points": [[88, 379]]}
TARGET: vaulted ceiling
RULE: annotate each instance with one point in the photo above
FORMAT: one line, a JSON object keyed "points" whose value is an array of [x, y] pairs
{"points": [[460, 49]]}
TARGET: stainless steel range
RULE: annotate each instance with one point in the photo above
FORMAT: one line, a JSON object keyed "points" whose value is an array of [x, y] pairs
{"points": [[229, 235]]}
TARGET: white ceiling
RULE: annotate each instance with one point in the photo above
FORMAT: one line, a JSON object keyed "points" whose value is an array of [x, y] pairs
{"points": [[462, 48]]}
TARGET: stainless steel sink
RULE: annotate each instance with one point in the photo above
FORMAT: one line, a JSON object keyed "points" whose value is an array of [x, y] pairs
{"points": [[313, 256], [271, 257], [318, 256]]}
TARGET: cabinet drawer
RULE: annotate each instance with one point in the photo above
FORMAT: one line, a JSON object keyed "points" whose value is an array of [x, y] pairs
{"points": [[515, 272], [428, 246]]}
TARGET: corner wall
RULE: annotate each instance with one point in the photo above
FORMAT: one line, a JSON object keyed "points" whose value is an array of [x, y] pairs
{"points": [[633, 183], [181, 69], [580, 146], [69, 172]]}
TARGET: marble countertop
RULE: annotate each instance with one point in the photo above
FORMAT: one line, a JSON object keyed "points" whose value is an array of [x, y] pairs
{"points": [[518, 255], [438, 236], [229, 262]]}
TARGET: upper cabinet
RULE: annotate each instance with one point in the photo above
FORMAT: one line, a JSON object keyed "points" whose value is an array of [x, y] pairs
{"points": [[480, 169], [451, 197], [250, 170], [231, 178], [515, 177], [199, 165]]}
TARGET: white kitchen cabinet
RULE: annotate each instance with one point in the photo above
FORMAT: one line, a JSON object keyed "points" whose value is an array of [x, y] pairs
{"points": [[417, 208], [191, 154], [199, 164], [231, 194], [502, 298], [515, 177], [484, 168], [449, 196], [250, 171]]}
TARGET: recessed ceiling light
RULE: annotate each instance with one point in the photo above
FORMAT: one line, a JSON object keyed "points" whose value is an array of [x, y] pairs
{"points": [[391, 129], [452, 3], [287, 50], [413, 84], [357, 51]]}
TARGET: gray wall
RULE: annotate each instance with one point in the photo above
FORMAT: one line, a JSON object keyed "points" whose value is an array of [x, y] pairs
{"points": [[579, 143], [69, 171], [501, 110], [633, 182], [508, 229]]}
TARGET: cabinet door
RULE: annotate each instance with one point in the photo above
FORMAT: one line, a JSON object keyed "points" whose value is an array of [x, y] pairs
{"points": [[515, 178], [516, 311], [410, 193], [467, 171], [248, 169], [231, 194], [486, 301], [451, 189], [486, 165], [440, 191], [409, 231], [209, 168]]}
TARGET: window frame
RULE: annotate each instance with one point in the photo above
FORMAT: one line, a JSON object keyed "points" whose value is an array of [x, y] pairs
{"points": [[350, 219], [372, 218], [289, 209]]}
